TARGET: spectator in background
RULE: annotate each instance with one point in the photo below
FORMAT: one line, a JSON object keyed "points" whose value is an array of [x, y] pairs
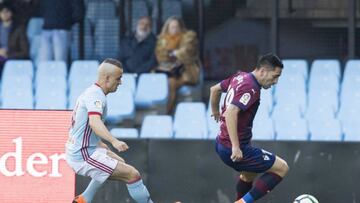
{"points": [[59, 16], [137, 51], [178, 57], [13, 40]]}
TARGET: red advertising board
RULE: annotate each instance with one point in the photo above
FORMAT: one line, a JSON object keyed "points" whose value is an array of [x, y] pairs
{"points": [[32, 159]]}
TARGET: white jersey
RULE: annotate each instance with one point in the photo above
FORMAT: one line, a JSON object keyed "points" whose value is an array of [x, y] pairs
{"points": [[82, 140]]}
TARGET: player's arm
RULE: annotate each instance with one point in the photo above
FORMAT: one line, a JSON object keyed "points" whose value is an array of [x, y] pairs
{"points": [[231, 118], [100, 130], [215, 94]]}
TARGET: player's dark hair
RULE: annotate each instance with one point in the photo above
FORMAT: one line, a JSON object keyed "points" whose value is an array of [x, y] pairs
{"points": [[7, 5], [270, 61], [113, 62]]}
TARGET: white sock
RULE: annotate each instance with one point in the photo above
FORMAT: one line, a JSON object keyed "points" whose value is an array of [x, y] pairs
{"points": [[139, 192]]}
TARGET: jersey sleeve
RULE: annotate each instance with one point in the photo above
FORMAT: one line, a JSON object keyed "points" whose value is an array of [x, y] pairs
{"points": [[244, 97], [225, 84], [95, 104]]}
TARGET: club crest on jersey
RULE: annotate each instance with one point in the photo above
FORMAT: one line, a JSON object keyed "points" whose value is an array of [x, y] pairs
{"points": [[245, 98], [98, 104]]}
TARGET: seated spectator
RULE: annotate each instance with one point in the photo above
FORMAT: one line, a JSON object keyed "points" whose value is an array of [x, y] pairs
{"points": [[13, 40], [178, 57], [59, 16], [137, 51]]}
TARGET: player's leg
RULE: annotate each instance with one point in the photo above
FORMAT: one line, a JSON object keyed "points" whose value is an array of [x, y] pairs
{"points": [[266, 182], [137, 189], [244, 183], [114, 156]]}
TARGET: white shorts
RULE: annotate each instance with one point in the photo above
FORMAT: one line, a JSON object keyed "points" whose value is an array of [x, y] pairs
{"points": [[99, 166]]}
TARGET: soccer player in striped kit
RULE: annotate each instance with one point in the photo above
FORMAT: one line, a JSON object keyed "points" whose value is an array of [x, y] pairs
{"points": [[233, 144], [86, 154]]}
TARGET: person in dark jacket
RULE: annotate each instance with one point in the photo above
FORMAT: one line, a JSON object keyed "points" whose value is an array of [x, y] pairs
{"points": [[59, 16], [137, 52], [13, 40]]}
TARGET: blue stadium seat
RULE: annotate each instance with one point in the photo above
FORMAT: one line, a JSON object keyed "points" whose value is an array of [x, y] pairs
{"points": [[51, 92], [324, 98], [121, 133], [291, 89], [34, 28], [326, 130], [121, 106], [18, 68], [34, 48], [291, 129], [128, 81], [139, 9], [155, 126], [171, 8], [318, 112], [190, 121], [213, 126], [350, 97], [324, 82], [17, 92], [286, 111], [325, 67], [295, 67], [79, 69], [107, 38], [267, 99], [47, 69], [152, 90], [88, 41], [100, 10], [351, 129], [347, 113], [263, 129]]}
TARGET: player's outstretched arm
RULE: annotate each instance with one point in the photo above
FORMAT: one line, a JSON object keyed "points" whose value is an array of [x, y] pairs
{"points": [[100, 130], [231, 117], [215, 95]]}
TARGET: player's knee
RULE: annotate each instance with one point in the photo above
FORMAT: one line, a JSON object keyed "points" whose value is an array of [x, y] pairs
{"points": [[284, 167], [247, 178], [133, 175]]}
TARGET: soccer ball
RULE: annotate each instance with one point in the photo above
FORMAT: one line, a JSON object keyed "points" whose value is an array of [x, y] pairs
{"points": [[306, 199]]}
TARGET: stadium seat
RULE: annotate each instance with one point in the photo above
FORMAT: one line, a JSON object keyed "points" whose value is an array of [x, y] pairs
{"points": [[51, 92], [324, 82], [18, 68], [263, 129], [324, 98], [139, 9], [88, 41], [291, 129], [152, 90], [34, 48], [128, 81], [295, 67], [286, 111], [50, 68], [213, 126], [155, 126], [190, 121], [107, 38], [351, 129], [350, 98], [325, 67], [318, 112], [267, 99], [97, 10], [325, 130], [348, 113], [121, 133], [81, 68], [34, 28], [17, 92], [291, 89], [171, 8], [121, 106]]}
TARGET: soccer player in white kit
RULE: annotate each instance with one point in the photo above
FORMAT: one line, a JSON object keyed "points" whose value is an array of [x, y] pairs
{"points": [[86, 154]]}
